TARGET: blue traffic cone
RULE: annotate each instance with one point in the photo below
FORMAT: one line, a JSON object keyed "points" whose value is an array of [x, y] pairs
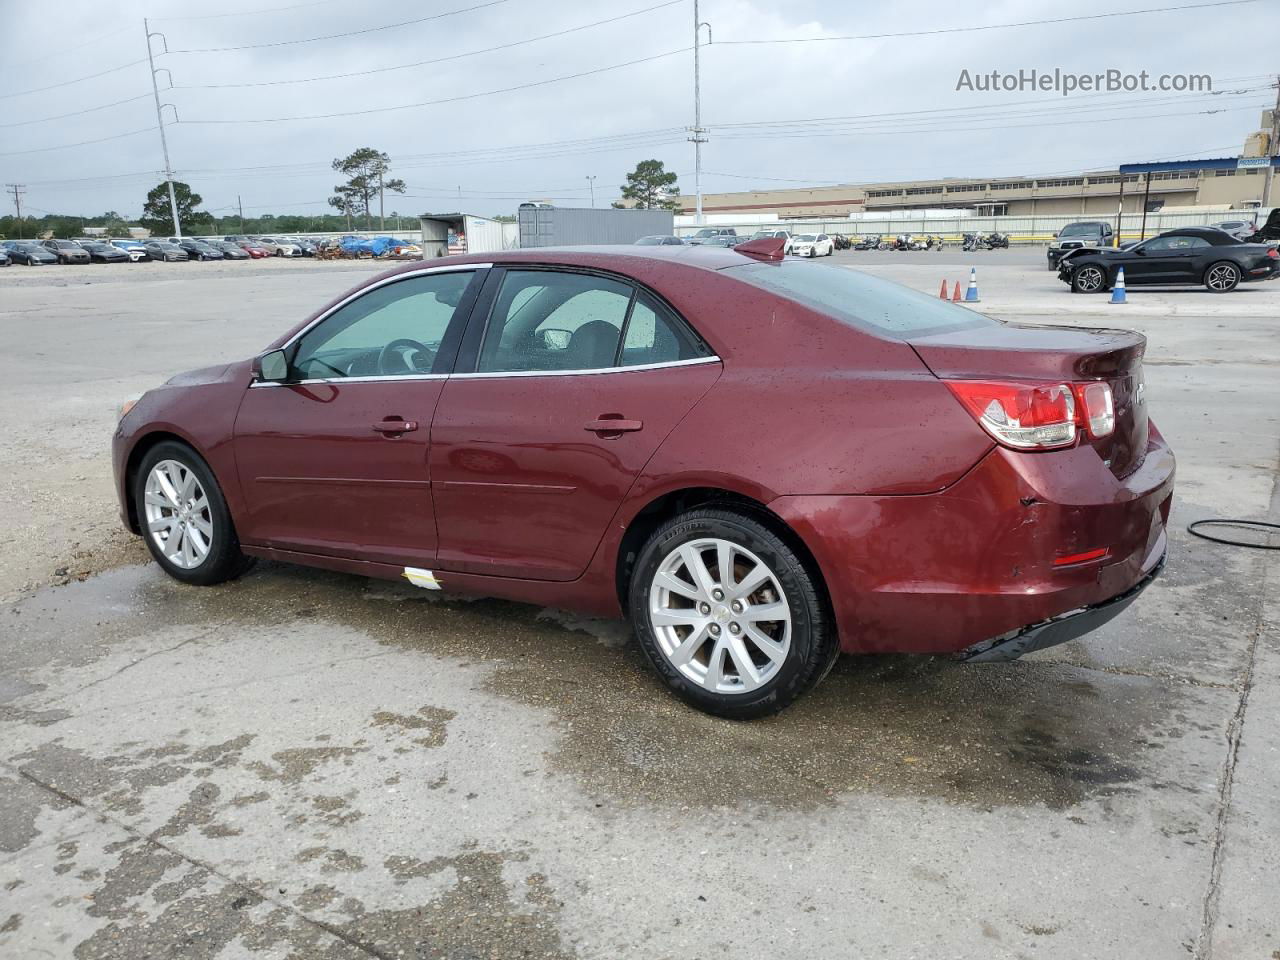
{"points": [[971, 295], [1117, 291]]}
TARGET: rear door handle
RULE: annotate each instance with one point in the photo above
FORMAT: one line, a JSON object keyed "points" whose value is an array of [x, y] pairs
{"points": [[613, 424], [396, 426]]}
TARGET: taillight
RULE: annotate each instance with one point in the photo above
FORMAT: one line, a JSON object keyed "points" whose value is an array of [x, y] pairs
{"points": [[1098, 408], [1037, 416], [1273, 253]]}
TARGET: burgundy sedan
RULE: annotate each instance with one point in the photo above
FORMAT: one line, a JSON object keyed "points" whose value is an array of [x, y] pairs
{"points": [[761, 462]]}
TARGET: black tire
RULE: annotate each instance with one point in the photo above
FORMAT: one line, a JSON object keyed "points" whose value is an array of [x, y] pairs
{"points": [[1085, 273], [813, 642], [1218, 272], [224, 561]]}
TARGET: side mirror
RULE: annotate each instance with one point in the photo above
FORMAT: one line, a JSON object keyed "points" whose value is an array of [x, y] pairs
{"points": [[272, 367]]}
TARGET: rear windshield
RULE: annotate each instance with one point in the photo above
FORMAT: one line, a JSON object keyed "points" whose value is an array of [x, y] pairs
{"points": [[860, 299]]}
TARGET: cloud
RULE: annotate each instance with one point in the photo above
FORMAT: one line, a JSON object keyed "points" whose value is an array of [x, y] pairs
{"points": [[475, 144]]}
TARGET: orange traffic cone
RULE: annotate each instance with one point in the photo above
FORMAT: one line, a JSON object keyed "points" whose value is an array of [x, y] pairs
{"points": [[942, 293], [955, 297]]}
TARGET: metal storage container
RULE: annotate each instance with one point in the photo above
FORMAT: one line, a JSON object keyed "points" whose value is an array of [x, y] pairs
{"points": [[542, 225]]}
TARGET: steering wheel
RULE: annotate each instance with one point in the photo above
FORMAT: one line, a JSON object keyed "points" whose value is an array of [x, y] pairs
{"points": [[402, 356]]}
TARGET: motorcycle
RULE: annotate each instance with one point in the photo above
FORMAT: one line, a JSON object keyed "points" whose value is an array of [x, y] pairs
{"points": [[998, 241], [840, 241]]}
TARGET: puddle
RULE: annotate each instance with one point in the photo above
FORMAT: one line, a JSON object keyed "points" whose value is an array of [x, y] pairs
{"points": [[1019, 734]]}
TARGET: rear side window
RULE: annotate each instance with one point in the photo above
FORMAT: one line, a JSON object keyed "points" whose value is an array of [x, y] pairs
{"points": [[655, 336], [859, 299]]}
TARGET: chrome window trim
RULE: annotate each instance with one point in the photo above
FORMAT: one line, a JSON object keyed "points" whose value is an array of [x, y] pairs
{"points": [[495, 374], [336, 381]]}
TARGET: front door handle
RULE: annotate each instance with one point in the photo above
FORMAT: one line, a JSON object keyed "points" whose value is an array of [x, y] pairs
{"points": [[395, 426], [613, 425]]}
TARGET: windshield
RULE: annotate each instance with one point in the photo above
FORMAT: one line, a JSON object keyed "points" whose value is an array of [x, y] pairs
{"points": [[648, 241], [1081, 230], [859, 299], [705, 233]]}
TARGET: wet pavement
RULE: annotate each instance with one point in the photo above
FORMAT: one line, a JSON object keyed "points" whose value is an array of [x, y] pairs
{"points": [[312, 765]]}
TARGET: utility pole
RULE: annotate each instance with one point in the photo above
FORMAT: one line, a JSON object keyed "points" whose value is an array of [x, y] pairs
{"points": [[698, 138], [591, 182], [1273, 148], [164, 143], [17, 189], [240, 204], [382, 217]]}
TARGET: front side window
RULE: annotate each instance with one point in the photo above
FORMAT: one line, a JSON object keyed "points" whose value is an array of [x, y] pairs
{"points": [[544, 320], [393, 330]]}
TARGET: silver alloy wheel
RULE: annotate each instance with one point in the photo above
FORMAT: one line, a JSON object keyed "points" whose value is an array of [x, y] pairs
{"points": [[720, 616], [1222, 277], [1089, 279], [179, 520]]}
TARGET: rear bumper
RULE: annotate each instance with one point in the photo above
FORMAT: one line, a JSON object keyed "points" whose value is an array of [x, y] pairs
{"points": [[1068, 626], [943, 572]]}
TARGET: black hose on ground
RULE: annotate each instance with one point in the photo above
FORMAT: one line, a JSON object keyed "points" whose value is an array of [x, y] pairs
{"points": [[1261, 525]]}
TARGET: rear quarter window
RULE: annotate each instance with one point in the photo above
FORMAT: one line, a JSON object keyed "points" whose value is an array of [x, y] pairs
{"points": [[859, 299]]}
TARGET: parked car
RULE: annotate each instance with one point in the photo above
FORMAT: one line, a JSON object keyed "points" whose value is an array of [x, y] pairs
{"points": [[164, 251], [67, 251], [100, 252], [29, 252], [706, 233], [196, 249], [1186, 256], [1019, 503], [280, 247], [136, 250], [1086, 233], [229, 251], [254, 249], [721, 241], [660, 241], [307, 246], [1240, 229], [812, 245], [4, 256]]}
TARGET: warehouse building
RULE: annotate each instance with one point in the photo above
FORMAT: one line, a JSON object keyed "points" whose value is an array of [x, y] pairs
{"points": [[1096, 193]]}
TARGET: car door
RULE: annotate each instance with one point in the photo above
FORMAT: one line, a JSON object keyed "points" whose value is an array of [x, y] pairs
{"points": [[567, 383], [1154, 261], [334, 460], [1188, 259]]}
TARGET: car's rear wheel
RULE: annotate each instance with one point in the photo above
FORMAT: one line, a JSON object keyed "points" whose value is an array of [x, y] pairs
{"points": [[728, 614], [184, 517], [1088, 279], [1222, 277]]}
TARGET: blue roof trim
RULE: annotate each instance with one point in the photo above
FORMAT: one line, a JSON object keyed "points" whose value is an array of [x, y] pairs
{"points": [[1220, 163]]}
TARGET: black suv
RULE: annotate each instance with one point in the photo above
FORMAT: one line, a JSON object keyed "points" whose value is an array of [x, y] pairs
{"points": [[1086, 233]]}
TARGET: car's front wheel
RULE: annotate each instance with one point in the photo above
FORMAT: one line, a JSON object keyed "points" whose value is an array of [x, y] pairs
{"points": [[728, 614], [1088, 279], [184, 518], [1222, 277]]}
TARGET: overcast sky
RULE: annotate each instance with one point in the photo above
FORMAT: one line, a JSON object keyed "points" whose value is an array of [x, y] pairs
{"points": [[479, 153]]}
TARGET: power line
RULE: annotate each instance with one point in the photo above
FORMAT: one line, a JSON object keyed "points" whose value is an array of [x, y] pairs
{"points": [[67, 83], [423, 63], [76, 113], [80, 143], [457, 99], [63, 52], [354, 33], [991, 26]]}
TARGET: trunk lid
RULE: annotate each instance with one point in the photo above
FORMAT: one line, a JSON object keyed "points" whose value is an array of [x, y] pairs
{"points": [[1010, 351]]}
